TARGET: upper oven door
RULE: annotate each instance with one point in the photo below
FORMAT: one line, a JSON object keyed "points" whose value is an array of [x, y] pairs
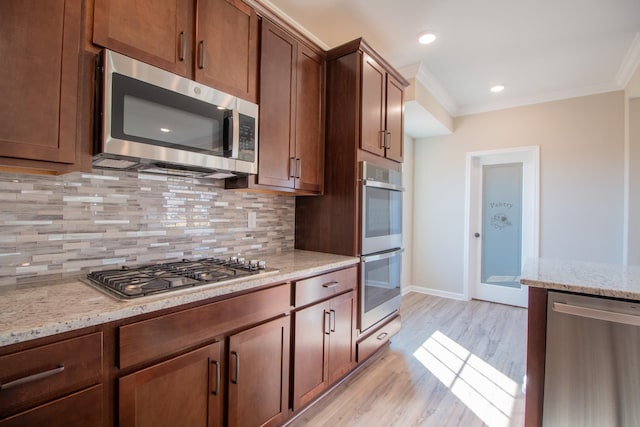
{"points": [[381, 209]]}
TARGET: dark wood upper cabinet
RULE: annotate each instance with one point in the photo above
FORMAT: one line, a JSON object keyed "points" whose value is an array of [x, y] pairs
{"points": [[382, 96], [220, 50], [158, 32], [227, 47], [185, 390], [291, 141], [39, 83]]}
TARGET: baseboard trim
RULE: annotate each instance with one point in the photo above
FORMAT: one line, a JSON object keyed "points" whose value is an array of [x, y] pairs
{"points": [[434, 292]]}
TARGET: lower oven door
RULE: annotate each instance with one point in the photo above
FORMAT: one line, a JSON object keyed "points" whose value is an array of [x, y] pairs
{"points": [[380, 286]]}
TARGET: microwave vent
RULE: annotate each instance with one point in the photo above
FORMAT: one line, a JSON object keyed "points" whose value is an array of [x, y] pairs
{"points": [[113, 163]]}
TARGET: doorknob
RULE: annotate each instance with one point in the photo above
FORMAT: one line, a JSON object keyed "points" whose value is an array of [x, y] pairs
{"points": [[476, 235]]}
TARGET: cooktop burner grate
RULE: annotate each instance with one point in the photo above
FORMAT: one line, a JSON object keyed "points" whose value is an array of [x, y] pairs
{"points": [[131, 282]]}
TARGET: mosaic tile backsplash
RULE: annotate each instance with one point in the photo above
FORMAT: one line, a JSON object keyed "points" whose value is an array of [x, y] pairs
{"points": [[71, 224]]}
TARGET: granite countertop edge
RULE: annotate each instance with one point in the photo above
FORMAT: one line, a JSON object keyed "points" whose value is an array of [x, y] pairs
{"points": [[590, 278], [38, 311]]}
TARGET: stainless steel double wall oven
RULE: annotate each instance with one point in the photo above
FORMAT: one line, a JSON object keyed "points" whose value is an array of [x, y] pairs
{"points": [[381, 243]]}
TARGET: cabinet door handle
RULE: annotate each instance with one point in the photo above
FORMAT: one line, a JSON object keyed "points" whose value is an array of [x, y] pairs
{"points": [[292, 167], [382, 336], [383, 139], [330, 285], [215, 372], [183, 46], [298, 168], [333, 320], [201, 54], [387, 140], [327, 323], [31, 378], [236, 371]]}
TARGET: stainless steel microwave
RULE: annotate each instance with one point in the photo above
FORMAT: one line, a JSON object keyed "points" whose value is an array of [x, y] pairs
{"points": [[157, 121]]}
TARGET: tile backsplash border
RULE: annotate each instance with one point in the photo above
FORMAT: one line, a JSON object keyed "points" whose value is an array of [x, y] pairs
{"points": [[54, 227]]}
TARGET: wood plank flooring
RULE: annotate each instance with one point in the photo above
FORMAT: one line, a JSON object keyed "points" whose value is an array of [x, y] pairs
{"points": [[453, 363]]}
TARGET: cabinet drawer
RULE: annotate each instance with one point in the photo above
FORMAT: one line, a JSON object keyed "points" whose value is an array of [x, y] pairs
{"points": [[165, 335], [326, 285], [31, 377], [377, 339], [81, 409]]}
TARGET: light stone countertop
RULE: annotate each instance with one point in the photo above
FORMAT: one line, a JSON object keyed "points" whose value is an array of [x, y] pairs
{"points": [[610, 280], [48, 309]]}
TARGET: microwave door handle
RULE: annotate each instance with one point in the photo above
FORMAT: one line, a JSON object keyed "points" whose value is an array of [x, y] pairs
{"points": [[235, 137], [378, 184], [378, 257]]}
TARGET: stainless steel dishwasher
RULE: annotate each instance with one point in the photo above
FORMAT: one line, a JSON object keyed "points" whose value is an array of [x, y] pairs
{"points": [[592, 369]]}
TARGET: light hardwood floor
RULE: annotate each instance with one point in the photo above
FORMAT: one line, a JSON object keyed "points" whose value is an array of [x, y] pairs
{"points": [[453, 363]]}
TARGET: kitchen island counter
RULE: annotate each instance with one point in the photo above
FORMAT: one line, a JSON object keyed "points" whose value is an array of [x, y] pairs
{"points": [[607, 280], [578, 277], [58, 306]]}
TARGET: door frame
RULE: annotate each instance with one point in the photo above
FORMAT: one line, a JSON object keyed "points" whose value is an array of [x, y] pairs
{"points": [[470, 250]]}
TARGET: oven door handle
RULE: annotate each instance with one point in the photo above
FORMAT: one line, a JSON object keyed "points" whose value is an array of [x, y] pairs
{"points": [[378, 184], [378, 257]]}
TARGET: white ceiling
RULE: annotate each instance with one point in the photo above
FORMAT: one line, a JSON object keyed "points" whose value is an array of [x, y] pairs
{"points": [[541, 50]]}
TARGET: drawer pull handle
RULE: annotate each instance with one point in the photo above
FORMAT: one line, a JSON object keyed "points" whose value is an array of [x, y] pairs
{"points": [[382, 336], [330, 285], [31, 378]]}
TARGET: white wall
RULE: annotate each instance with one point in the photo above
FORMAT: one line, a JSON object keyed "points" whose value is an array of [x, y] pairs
{"points": [[407, 213], [581, 193]]}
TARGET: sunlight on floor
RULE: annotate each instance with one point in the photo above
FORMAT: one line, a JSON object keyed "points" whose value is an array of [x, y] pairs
{"points": [[486, 391]]}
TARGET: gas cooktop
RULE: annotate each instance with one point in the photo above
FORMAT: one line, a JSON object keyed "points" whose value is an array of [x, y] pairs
{"points": [[132, 282]]}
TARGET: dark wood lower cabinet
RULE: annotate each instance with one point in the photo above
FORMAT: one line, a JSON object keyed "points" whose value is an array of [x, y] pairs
{"points": [[183, 391], [259, 375], [323, 346], [81, 409]]}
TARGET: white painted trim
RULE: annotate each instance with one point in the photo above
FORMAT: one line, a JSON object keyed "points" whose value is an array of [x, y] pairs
{"points": [[435, 293], [423, 75], [626, 185], [539, 99], [534, 152], [630, 63]]}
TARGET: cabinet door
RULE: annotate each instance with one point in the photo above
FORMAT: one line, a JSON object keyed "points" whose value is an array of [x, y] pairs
{"points": [[277, 99], [39, 79], [395, 130], [227, 47], [259, 375], [158, 32], [311, 336], [341, 351], [309, 120], [185, 390], [372, 133]]}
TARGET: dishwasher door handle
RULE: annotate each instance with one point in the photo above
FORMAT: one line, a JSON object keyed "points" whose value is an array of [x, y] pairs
{"points": [[594, 313]]}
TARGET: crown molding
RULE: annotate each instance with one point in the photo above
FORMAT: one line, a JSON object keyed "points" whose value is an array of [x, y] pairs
{"points": [[423, 75], [540, 99], [289, 20], [629, 64]]}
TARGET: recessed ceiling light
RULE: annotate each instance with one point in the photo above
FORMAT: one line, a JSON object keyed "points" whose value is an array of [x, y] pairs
{"points": [[497, 88], [165, 130], [426, 37]]}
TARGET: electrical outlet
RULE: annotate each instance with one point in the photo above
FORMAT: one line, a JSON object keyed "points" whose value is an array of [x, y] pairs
{"points": [[251, 220]]}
